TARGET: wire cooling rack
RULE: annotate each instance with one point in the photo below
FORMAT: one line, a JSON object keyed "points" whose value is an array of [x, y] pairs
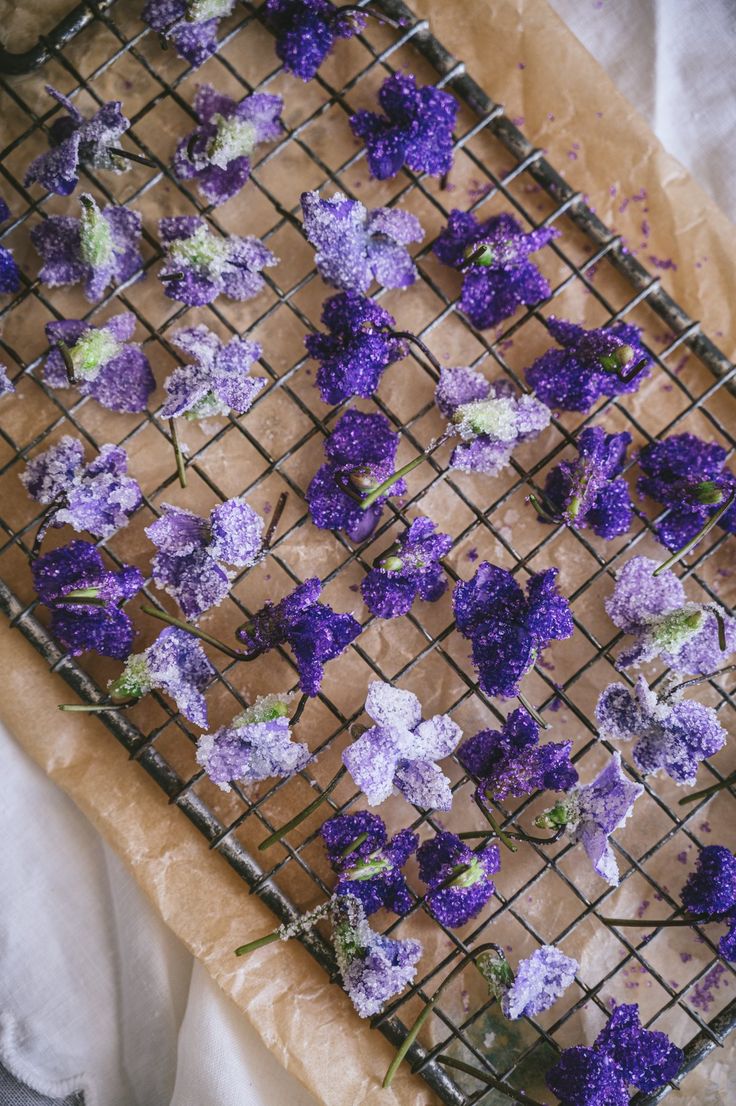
{"points": [[545, 893]]}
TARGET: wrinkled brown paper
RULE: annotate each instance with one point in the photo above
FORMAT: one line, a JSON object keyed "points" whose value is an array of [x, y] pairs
{"points": [[521, 52]]}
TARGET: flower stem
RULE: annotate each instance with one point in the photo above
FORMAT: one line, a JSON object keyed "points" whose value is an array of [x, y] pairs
{"points": [[92, 708], [259, 943], [502, 837], [533, 711], [358, 9], [43, 528], [128, 156], [303, 814], [275, 520], [699, 680], [708, 791], [706, 529], [389, 482], [409, 337], [66, 356], [722, 643], [655, 923], [541, 510], [170, 276], [626, 375], [299, 709], [486, 1077], [354, 845], [164, 616], [181, 471]]}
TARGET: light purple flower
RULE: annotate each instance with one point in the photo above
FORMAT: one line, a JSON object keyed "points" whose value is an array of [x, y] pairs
{"points": [[539, 980], [409, 568], [401, 749], [255, 746], [217, 382], [190, 24], [6, 384], [175, 663], [107, 366], [210, 264]]}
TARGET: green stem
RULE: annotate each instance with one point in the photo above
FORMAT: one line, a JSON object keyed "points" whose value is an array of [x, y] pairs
{"points": [[541, 510], [708, 791], [190, 628], [259, 943], [181, 471], [712, 521], [275, 520], [699, 680], [533, 711], [82, 600], [486, 1077], [656, 923], [389, 482], [66, 356], [502, 837], [354, 845], [92, 708], [128, 156], [304, 814]]}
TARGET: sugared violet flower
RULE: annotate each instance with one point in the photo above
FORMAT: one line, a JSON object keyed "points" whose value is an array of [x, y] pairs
{"points": [[535, 986], [190, 24], [217, 382], [410, 568], [590, 491], [176, 664], [459, 879], [255, 746], [100, 361], [200, 265], [371, 869]]}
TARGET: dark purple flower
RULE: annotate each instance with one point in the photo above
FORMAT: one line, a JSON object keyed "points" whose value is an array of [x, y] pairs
{"points": [[672, 735], [76, 141], [687, 475], [97, 497], [177, 664], [510, 761], [711, 889], [584, 1077], [416, 129], [535, 986], [372, 870], [655, 610], [459, 880], [107, 366], [508, 629], [355, 246], [99, 248], [573, 378], [360, 451], [6, 384], [373, 968], [401, 749], [210, 264], [190, 24], [9, 272], [191, 551], [217, 154], [77, 572], [359, 347], [315, 633], [410, 568], [590, 490], [306, 30], [255, 746], [500, 277], [217, 382]]}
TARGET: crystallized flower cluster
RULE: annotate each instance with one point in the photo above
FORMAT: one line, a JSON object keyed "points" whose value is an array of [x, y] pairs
{"points": [[201, 264], [217, 382], [371, 869], [410, 568], [590, 490], [255, 746], [9, 272], [306, 30], [106, 365], [177, 664], [537, 984], [190, 24], [711, 891], [459, 880]]}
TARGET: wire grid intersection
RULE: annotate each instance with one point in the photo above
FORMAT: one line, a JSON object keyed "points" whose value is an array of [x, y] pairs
{"points": [[314, 157]]}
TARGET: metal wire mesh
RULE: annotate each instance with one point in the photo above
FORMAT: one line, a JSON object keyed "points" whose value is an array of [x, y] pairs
{"points": [[543, 895]]}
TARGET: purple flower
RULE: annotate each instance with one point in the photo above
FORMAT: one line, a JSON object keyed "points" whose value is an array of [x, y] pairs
{"points": [[409, 568], [459, 879], [106, 366], [655, 610], [355, 246], [9, 272], [315, 633], [359, 347], [217, 154], [99, 248], [539, 980], [416, 129], [177, 664], [711, 889], [360, 451], [489, 417], [67, 576], [623, 1053], [306, 30], [372, 870], [508, 629], [401, 749], [373, 968], [6, 384], [687, 475], [255, 746], [590, 490], [217, 382], [191, 550], [97, 497], [500, 277], [210, 264], [190, 24], [573, 378], [672, 735], [510, 761], [76, 141]]}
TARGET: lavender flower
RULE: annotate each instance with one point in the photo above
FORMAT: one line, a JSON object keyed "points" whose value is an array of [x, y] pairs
{"points": [[510, 761], [97, 497], [655, 610], [77, 141], [191, 551], [315, 633], [355, 246], [73, 573], [410, 568], [106, 366], [6, 384], [9, 272], [590, 490], [539, 980], [673, 735], [574, 378], [360, 454], [217, 154], [401, 749], [209, 264], [489, 417], [217, 382], [373, 968], [190, 24], [711, 890], [459, 879], [415, 130], [494, 257], [508, 630], [177, 664], [371, 870], [99, 248], [255, 746], [306, 30]]}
